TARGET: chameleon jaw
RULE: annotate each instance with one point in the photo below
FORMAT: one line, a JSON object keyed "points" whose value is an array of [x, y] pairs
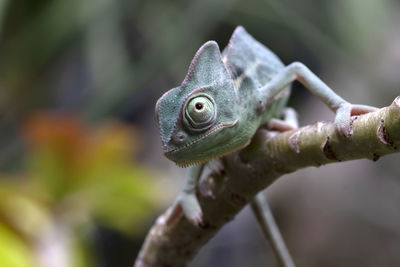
{"points": [[216, 128], [191, 163], [185, 164]]}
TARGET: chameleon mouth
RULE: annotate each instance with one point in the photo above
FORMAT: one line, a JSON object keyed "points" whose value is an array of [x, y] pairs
{"points": [[185, 164], [216, 128], [191, 163]]}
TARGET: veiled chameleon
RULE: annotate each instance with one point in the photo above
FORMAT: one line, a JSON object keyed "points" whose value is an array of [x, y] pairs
{"points": [[225, 98]]}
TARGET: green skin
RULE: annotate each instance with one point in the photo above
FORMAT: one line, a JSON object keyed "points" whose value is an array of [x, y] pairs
{"points": [[225, 98]]}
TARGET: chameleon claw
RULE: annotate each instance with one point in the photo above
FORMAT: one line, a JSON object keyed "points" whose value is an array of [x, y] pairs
{"points": [[187, 205], [343, 120], [343, 116], [191, 208], [279, 125]]}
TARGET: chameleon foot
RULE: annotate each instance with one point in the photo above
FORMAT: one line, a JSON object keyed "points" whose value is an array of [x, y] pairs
{"points": [[187, 205], [279, 125], [343, 116], [191, 208], [289, 122]]}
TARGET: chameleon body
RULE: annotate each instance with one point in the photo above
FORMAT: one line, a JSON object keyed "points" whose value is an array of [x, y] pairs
{"points": [[223, 100]]}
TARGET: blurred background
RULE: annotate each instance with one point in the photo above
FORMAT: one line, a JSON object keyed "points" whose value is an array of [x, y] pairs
{"points": [[82, 175]]}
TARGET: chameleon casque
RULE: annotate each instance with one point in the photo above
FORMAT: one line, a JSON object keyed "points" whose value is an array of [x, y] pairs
{"points": [[223, 100]]}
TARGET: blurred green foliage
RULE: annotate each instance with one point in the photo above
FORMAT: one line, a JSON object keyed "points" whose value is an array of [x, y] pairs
{"points": [[13, 251], [73, 176]]}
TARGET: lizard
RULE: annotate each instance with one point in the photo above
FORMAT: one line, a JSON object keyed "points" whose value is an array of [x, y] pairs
{"points": [[223, 100]]}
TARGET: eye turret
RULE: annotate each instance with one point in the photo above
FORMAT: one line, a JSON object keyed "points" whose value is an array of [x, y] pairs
{"points": [[200, 113]]}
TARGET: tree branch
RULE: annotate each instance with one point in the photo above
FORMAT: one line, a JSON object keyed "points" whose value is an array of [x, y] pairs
{"points": [[224, 192]]}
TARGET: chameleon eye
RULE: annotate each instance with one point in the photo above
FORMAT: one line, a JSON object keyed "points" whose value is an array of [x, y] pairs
{"points": [[200, 112]]}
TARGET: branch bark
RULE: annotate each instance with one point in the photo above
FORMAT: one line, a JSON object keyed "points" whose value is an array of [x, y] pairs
{"points": [[226, 190]]}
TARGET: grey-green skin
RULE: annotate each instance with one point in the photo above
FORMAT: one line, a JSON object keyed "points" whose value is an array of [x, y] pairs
{"points": [[225, 98]]}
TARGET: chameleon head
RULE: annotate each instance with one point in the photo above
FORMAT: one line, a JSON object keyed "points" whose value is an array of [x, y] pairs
{"points": [[199, 119]]}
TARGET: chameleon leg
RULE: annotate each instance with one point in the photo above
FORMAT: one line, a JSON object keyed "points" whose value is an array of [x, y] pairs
{"points": [[290, 117], [187, 201], [298, 71]]}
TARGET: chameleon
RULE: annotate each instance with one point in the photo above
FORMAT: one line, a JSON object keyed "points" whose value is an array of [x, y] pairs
{"points": [[223, 100]]}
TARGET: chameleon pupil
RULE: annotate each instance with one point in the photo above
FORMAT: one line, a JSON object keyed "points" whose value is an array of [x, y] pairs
{"points": [[199, 106]]}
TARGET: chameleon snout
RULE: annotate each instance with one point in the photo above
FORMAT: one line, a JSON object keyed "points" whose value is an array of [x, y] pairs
{"points": [[176, 141]]}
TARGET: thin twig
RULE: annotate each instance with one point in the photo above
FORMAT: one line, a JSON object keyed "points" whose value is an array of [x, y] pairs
{"points": [[270, 229], [263, 212]]}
